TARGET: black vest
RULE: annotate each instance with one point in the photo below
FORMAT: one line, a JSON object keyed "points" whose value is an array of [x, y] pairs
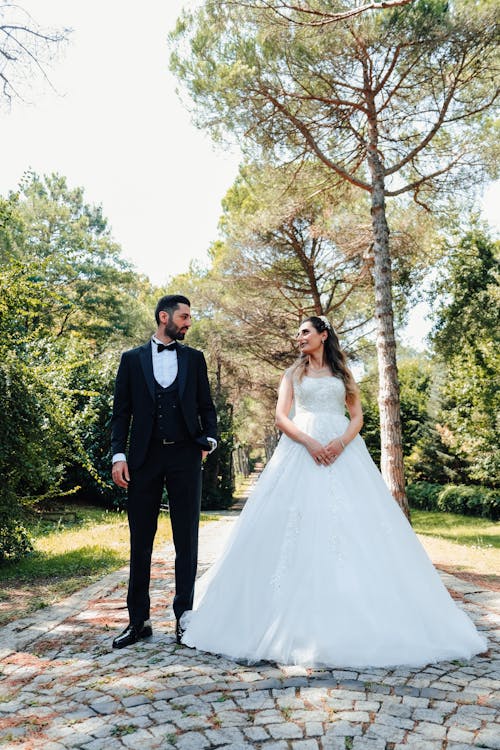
{"points": [[169, 420]]}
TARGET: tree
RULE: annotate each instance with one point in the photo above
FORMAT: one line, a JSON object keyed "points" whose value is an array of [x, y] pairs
{"points": [[394, 102], [305, 14], [36, 428], [68, 305], [426, 455], [65, 243], [26, 49], [291, 248], [466, 339]]}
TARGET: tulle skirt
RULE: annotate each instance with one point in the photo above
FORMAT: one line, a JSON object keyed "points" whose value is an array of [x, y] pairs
{"points": [[323, 569]]}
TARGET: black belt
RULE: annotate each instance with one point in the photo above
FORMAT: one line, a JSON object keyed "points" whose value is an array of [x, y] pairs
{"points": [[164, 441]]}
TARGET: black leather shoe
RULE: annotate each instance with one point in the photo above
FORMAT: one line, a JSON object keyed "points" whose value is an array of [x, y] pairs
{"points": [[132, 634], [179, 632]]}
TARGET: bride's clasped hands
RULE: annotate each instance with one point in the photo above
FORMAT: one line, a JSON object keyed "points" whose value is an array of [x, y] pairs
{"points": [[324, 455]]}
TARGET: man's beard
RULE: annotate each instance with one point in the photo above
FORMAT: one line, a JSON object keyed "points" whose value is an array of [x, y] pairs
{"points": [[174, 333]]}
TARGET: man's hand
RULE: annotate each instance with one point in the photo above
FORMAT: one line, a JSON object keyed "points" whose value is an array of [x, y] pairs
{"points": [[204, 454], [120, 474]]}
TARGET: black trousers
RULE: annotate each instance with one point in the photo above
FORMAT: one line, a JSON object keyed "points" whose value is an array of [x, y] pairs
{"points": [[178, 468]]}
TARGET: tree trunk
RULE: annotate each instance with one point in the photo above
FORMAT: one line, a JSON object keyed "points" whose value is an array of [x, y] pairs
{"points": [[388, 396]]}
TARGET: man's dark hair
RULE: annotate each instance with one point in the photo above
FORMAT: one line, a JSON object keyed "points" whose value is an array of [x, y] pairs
{"points": [[169, 303]]}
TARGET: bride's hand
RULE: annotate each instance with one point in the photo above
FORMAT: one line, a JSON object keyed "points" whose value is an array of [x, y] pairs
{"points": [[334, 449], [318, 452]]}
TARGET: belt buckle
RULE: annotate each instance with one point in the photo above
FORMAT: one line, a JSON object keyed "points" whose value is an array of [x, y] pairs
{"points": [[167, 442]]}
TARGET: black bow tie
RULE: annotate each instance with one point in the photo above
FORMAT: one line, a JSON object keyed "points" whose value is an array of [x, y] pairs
{"points": [[169, 347]]}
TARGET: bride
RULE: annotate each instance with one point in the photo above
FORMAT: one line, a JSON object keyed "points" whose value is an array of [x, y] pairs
{"points": [[322, 567]]}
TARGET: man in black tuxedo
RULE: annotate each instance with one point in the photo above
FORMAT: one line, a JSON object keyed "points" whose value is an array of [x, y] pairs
{"points": [[162, 396]]}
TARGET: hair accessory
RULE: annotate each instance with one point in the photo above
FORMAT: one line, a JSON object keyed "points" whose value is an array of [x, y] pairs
{"points": [[326, 322]]}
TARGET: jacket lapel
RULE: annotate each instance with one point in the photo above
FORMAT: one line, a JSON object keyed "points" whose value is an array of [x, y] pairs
{"points": [[146, 358], [182, 362]]}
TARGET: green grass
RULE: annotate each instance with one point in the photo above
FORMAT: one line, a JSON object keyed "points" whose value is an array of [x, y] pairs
{"points": [[468, 530], [83, 561], [69, 555], [96, 542]]}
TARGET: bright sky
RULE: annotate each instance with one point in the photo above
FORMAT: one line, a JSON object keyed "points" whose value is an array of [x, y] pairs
{"points": [[117, 128]]}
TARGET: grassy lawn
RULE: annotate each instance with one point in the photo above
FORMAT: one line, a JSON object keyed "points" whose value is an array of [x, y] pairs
{"points": [[468, 530], [464, 546], [69, 555]]}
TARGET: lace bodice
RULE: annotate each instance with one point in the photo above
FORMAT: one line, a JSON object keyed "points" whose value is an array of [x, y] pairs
{"points": [[319, 396]]}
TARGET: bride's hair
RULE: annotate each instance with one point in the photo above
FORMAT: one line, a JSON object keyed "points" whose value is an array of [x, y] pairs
{"points": [[333, 356]]}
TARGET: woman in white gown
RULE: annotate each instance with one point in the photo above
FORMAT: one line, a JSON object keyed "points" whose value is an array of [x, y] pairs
{"points": [[322, 567]]}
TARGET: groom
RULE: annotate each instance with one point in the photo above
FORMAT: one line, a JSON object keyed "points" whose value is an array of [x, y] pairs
{"points": [[162, 396]]}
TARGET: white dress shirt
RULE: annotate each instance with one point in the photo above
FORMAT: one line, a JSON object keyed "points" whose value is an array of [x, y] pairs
{"points": [[164, 364]]}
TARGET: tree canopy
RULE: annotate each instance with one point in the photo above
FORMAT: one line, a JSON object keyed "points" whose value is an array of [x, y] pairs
{"points": [[466, 338]]}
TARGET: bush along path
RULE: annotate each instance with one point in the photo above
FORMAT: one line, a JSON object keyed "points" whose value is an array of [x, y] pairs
{"points": [[62, 685]]}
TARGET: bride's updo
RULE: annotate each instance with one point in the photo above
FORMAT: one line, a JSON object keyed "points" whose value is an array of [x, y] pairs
{"points": [[333, 356]]}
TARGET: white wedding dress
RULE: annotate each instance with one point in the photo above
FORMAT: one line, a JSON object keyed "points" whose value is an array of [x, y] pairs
{"points": [[322, 567]]}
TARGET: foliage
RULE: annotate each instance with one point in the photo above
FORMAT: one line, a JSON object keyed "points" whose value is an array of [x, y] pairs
{"points": [[427, 457], [31, 449], [423, 495], [61, 242], [218, 476], [15, 541], [290, 89], [249, 385], [291, 237], [290, 247], [470, 500], [466, 338], [371, 419], [93, 383], [65, 294]]}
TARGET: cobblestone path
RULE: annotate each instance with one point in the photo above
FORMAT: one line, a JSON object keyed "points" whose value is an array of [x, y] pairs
{"points": [[63, 686]]}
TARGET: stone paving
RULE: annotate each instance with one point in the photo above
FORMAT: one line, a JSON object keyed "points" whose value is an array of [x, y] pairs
{"points": [[63, 686]]}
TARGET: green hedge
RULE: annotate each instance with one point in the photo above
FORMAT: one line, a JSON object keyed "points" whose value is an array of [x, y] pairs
{"points": [[423, 495], [469, 500]]}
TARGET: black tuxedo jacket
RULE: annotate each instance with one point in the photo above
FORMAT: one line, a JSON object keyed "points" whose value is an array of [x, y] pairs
{"points": [[134, 405]]}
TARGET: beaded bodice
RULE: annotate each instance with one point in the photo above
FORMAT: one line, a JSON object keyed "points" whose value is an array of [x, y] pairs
{"points": [[319, 396]]}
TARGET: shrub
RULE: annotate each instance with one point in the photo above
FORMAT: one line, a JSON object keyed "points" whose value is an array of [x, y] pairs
{"points": [[218, 474], [469, 500], [15, 541], [423, 495]]}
